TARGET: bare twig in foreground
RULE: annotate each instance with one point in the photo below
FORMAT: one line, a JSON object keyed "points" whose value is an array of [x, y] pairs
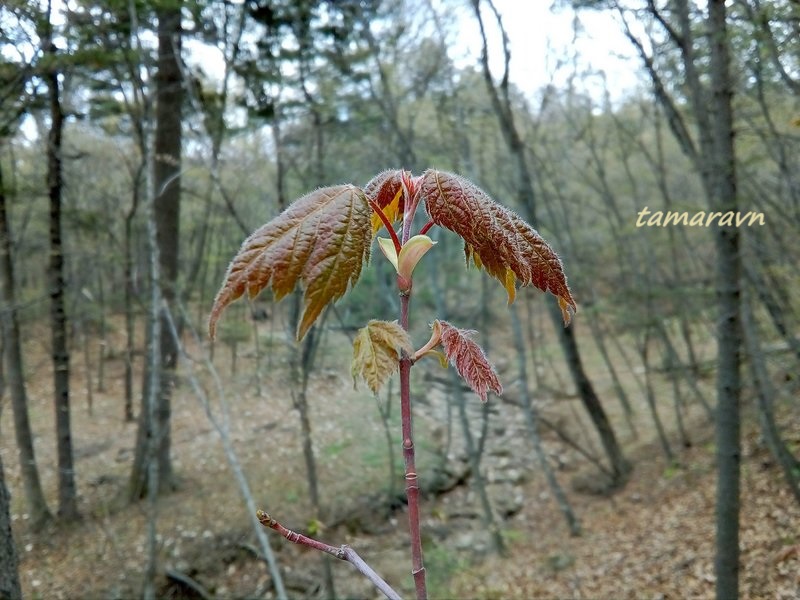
{"points": [[342, 552]]}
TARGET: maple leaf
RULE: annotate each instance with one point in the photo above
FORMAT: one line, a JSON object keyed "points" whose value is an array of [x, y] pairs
{"points": [[321, 240], [468, 358], [495, 238], [386, 190], [376, 352]]}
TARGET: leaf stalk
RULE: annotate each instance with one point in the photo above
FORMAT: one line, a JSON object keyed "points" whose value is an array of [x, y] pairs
{"points": [[382, 216]]}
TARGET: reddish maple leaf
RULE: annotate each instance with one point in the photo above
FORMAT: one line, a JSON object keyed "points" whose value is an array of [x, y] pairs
{"points": [[468, 358], [321, 241], [494, 237]]}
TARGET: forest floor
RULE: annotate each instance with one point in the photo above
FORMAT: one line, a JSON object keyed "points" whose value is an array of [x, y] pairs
{"points": [[652, 539]]}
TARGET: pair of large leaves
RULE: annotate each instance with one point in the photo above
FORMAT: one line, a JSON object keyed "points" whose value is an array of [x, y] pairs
{"points": [[323, 240]]}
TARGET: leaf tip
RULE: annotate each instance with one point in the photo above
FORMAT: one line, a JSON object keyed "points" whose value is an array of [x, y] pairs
{"points": [[568, 308]]}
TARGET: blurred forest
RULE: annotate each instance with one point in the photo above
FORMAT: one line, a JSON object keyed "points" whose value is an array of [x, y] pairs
{"points": [[651, 449]]}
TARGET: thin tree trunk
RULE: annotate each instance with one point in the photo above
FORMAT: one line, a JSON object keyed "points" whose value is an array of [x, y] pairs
{"points": [[302, 365], [729, 331], [501, 102], [15, 374], [166, 189], [674, 360], [167, 144], [101, 360], [148, 476], [620, 467], [222, 427], [151, 443], [87, 368], [67, 495], [531, 422], [9, 567], [489, 518], [625, 403], [764, 394], [474, 451], [130, 320], [651, 398]]}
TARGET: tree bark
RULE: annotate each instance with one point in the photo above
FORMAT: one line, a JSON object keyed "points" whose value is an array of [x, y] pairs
{"points": [[729, 331], [15, 373], [167, 182], [130, 292], [715, 162], [67, 495], [9, 567]]}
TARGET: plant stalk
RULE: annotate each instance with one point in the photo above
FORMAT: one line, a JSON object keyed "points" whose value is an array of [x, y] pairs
{"points": [[412, 481]]}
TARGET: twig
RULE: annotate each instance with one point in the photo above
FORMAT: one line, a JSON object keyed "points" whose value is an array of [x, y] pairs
{"points": [[343, 552]]}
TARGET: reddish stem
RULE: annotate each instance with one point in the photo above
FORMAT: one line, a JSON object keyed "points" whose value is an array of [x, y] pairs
{"points": [[412, 481], [382, 216], [426, 228]]}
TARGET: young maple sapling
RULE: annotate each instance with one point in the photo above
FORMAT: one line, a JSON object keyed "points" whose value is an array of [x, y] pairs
{"points": [[322, 241]]}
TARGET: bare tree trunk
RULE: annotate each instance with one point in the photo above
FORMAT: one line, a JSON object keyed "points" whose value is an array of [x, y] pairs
{"points": [[101, 370], [715, 161], [531, 422], [87, 367], [501, 102], [15, 374], [222, 427], [9, 568], [477, 477], [302, 364], [729, 331], [764, 394], [620, 467], [151, 443], [167, 143], [651, 397], [67, 495], [166, 180], [474, 450], [130, 319], [622, 395]]}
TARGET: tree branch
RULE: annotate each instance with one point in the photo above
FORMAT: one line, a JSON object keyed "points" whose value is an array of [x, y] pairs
{"points": [[343, 552]]}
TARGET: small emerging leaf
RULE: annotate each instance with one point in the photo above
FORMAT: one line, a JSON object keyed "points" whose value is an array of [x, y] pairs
{"points": [[387, 247], [321, 241], [495, 238], [376, 352], [411, 253], [468, 359]]}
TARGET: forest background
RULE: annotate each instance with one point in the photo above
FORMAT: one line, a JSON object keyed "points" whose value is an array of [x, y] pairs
{"points": [[648, 450]]}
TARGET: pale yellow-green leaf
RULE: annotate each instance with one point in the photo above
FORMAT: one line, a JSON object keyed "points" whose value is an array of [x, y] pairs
{"points": [[436, 354], [387, 247], [376, 352], [411, 253]]}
